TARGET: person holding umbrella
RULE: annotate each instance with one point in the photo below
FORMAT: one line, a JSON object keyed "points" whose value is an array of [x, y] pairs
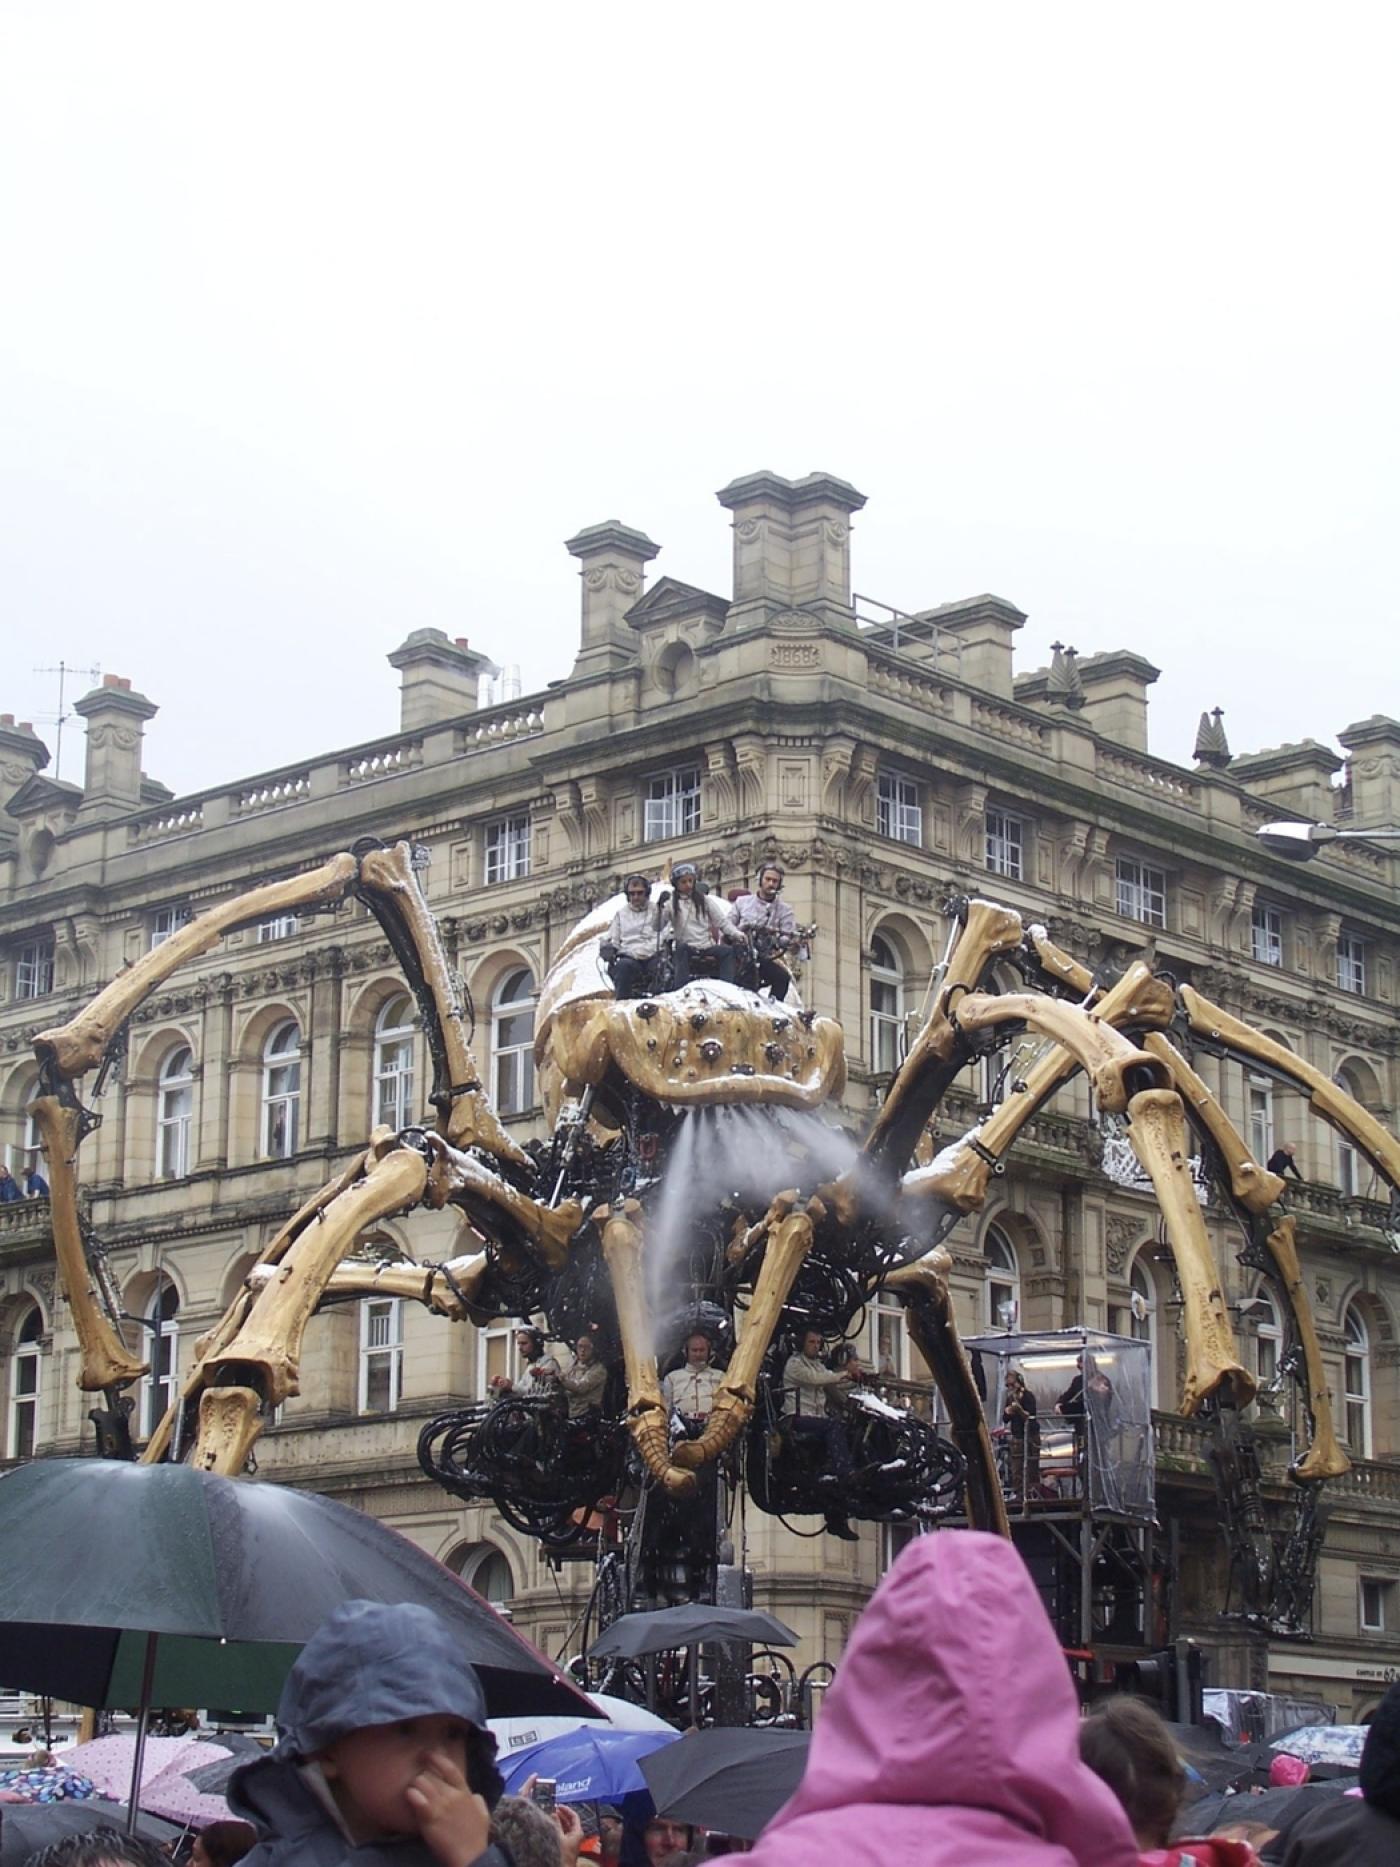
{"points": [[384, 1756]]}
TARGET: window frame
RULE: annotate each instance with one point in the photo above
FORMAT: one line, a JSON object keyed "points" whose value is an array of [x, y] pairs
{"points": [[26, 1360], [287, 1099], [393, 1066], [1141, 895], [899, 809], [177, 914], [177, 1126], [1000, 1275], [671, 804], [34, 967], [506, 848], [1386, 1592], [161, 1345], [519, 1096], [389, 1351], [886, 1026], [1266, 934], [1005, 844], [1351, 964], [1259, 1115], [1357, 1399], [278, 927]]}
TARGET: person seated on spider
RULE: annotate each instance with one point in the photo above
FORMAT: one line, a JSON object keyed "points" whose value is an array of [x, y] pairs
{"points": [[583, 1384], [771, 927], [539, 1379], [632, 943], [807, 1385], [703, 928], [690, 1389]]}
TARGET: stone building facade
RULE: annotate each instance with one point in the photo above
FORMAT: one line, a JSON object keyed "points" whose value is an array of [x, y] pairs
{"points": [[888, 763]]}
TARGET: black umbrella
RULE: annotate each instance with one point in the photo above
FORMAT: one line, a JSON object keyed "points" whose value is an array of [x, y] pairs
{"points": [[693, 1625], [140, 1585], [28, 1826], [730, 1779], [1275, 1808]]}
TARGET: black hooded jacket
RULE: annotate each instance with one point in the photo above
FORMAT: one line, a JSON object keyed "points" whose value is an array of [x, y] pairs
{"points": [[367, 1665]]}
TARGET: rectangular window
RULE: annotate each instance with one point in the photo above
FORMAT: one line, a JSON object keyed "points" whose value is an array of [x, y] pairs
{"points": [[508, 849], [24, 1405], [1377, 1604], [1351, 963], [280, 927], [34, 969], [381, 1354], [495, 1356], [672, 805], [1266, 935], [1004, 844], [898, 813], [1142, 892], [166, 921], [1261, 1116]]}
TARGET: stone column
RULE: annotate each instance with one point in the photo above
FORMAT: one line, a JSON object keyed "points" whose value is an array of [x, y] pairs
{"points": [[323, 1048], [216, 1030], [612, 564]]}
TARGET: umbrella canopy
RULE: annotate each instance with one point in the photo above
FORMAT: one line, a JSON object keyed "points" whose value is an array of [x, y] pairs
{"points": [[234, 1575], [50, 1782], [692, 1625], [1275, 1808], [730, 1780], [174, 1796], [29, 1826], [592, 1764], [109, 1761], [621, 1715], [1325, 1743]]}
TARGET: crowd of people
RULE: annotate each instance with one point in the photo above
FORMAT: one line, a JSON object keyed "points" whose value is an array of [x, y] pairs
{"points": [[951, 1737], [35, 1185]]}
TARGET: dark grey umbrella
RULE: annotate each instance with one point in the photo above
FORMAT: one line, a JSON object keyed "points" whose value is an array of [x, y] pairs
{"points": [[28, 1826], [733, 1780], [1275, 1808], [695, 1624], [140, 1585]]}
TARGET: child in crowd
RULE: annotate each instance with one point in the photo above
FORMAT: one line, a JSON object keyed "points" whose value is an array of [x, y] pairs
{"points": [[1128, 1745], [383, 1756]]}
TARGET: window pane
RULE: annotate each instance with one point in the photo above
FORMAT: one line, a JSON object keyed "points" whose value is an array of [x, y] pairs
{"points": [[1004, 844]]}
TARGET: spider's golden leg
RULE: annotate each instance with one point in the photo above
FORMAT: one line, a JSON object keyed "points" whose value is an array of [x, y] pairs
{"points": [[646, 1409]]}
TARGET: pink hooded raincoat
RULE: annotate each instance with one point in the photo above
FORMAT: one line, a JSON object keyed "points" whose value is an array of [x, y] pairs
{"points": [[950, 1737]]}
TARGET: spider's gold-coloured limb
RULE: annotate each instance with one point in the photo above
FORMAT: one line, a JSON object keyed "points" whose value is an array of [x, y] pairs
{"points": [[646, 1409], [389, 886], [789, 1241], [1252, 1187], [457, 1176], [923, 1286], [1325, 1457], [1157, 1130], [961, 1175], [449, 1290], [74, 1048], [106, 1361], [1113, 1065], [258, 1368], [1339, 1110], [936, 1056]]}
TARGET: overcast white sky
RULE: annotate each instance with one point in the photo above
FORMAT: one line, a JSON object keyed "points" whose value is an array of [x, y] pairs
{"points": [[322, 322]]}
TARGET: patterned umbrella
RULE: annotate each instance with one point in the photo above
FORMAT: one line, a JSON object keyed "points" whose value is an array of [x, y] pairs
{"points": [[1325, 1743], [49, 1783], [109, 1761], [592, 1764], [174, 1796]]}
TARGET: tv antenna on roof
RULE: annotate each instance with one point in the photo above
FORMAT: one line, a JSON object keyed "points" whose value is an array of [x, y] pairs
{"points": [[93, 675]]}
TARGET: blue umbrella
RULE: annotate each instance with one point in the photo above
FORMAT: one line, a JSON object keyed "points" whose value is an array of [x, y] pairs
{"points": [[587, 1766]]}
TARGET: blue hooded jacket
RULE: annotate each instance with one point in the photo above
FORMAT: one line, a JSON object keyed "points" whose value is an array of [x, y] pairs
{"points": [[366, 1665]]}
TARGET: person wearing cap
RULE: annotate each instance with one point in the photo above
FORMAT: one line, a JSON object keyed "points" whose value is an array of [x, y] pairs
{"points": [[701, 923]]}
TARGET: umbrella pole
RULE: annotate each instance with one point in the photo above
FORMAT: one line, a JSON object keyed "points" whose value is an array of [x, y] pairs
{"points": [[148, 1675], [692, 1663]]}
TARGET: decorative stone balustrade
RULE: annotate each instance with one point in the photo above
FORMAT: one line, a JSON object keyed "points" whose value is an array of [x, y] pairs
{"points": [[1147, 774]]}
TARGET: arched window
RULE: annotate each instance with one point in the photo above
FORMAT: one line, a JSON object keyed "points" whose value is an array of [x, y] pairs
{"points": [[162, 1350], [174, 1114], [886, 1007], [1356, 1382], [483, 1567], [1260, 1092], [1003, 1281], [1268, 1338], [1142, 1317], [22, 1427], [281, 1092], [513, 1041], [1354, 1175], [393, 1064]]}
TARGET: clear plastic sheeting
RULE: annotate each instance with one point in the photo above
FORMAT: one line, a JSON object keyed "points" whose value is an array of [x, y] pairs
{"points": [[1258, 1717], [1087, 1441]]}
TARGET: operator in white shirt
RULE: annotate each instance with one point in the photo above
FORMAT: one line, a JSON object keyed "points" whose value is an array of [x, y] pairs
{"points": [[690, 1390]]}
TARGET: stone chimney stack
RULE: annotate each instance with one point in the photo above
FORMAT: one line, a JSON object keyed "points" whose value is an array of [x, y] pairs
{"points": [[612, 565], [1115, 687], [441, 678], [1296, 778], [792, 546], [116, 723], [1373, 772], [22, 753]]}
